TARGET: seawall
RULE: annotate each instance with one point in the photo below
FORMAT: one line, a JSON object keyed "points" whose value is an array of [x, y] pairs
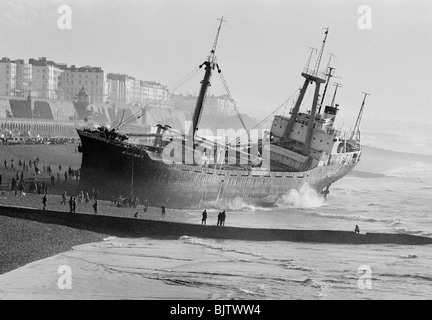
{"points": [[135, 228]]}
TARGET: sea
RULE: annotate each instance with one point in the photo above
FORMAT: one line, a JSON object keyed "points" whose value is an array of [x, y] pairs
{"points": [[387, 192]]}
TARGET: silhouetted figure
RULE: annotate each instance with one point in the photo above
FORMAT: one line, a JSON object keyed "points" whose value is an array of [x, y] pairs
{"points": [[95, 207], [1, 179], [163, 211], [223, 216], [204, 217], [219, 222], [44, 201], [357, 229], [136, 214], [71, 204], [74, 203]]}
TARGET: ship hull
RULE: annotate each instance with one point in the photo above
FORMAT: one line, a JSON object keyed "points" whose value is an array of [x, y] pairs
{"points": [[115, 168]]}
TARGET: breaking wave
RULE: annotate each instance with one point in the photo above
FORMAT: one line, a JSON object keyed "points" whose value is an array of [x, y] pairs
{"points": [[405, 276], [409, 256], [235, 204], [306, 197], [393, 221], [200, 242]]}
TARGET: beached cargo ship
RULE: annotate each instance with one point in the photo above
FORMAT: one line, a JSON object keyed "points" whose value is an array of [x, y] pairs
{"points": [[180, 169]]}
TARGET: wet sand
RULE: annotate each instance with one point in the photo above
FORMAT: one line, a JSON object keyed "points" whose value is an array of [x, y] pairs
{"points": [[25, 241]]}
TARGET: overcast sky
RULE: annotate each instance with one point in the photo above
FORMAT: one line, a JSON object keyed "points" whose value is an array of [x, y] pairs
{"points": [[262, 50]]}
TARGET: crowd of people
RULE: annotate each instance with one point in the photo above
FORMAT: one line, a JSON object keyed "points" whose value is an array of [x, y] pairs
{"points": [[19, 183], [126, 202]]}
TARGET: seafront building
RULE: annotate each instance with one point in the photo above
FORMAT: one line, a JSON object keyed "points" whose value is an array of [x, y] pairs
{"points": [[222, 103], [49, 98], [45, 78]]}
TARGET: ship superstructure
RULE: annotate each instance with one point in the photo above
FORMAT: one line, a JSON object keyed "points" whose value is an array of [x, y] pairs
{"points": [[181, 169]]}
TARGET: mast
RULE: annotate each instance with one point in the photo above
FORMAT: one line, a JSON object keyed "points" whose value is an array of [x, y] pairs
{"points": [[310, 76], [357, 124], [329, 75], [209, 64], [337, 85]]}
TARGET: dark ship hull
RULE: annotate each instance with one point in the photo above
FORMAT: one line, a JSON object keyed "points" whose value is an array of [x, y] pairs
{"points": [[120, 168]]}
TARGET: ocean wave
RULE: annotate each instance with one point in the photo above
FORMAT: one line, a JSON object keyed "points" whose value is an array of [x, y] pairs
{"points": [[409, 256], [109, 238], [235, 204], [298, 268], [306, 197], [405, 276], [201, 242], [412, 232], [250, 292], [356, 217], [366, 174]]}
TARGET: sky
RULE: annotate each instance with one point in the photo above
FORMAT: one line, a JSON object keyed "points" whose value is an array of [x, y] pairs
{"points": [[262, 49]]}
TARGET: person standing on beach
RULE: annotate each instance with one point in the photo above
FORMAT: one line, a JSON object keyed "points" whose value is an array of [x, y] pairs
{"points": [[74, 203], [357, 229], [204, 217], [163, 211], [95, 206], [70, 204], [6, 164], [146, 205], [219, 222], [223, 216], [44, 201]]}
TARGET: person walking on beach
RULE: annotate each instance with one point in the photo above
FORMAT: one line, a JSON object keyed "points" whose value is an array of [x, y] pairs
{"points": [[44, 201], [204, 217], [74, 203], [146, 205], [95, 206], [12, 164], [163, 211], [63, 198]]}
